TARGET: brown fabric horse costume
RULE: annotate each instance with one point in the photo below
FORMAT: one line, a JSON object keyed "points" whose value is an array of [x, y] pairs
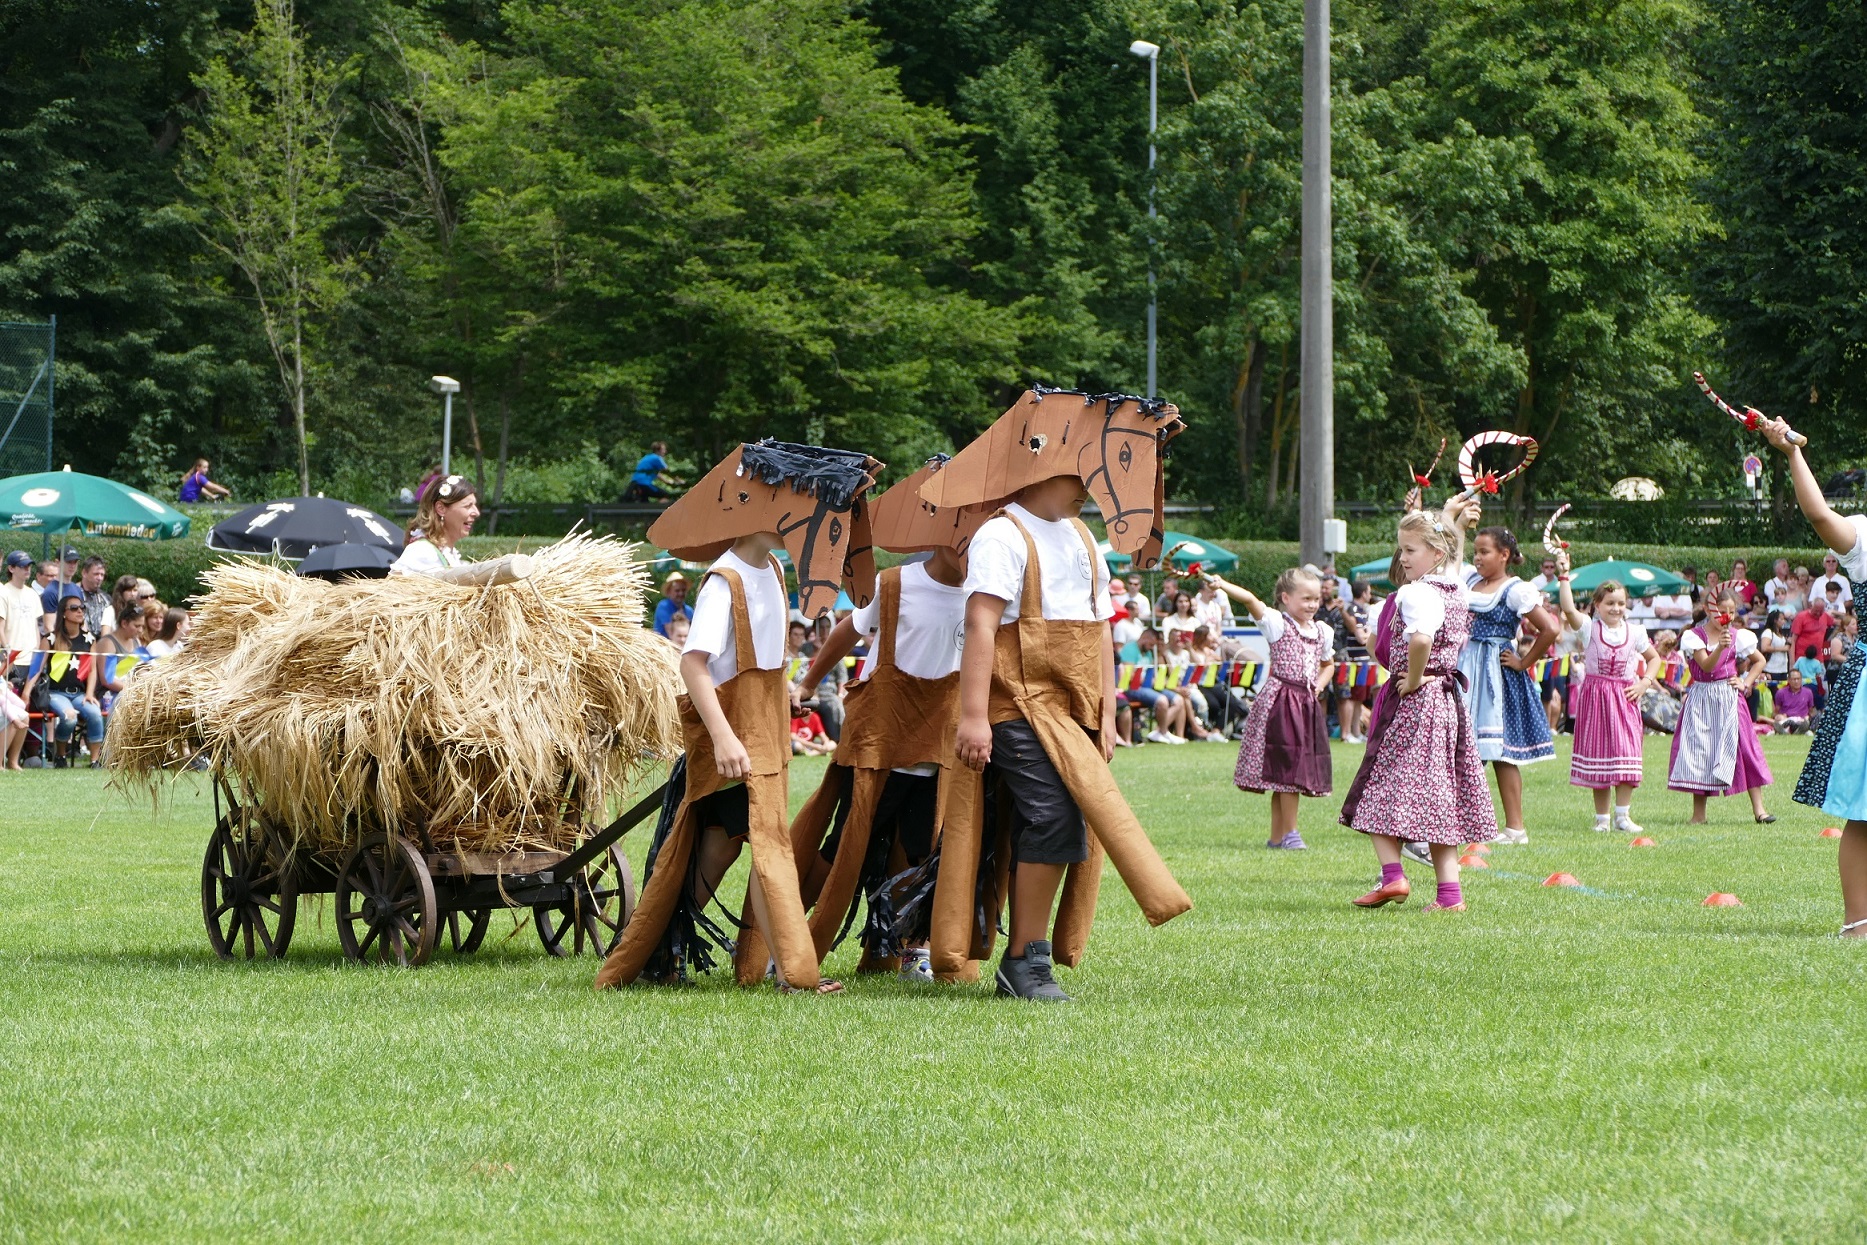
{"points": [[1048, 672], [893, 720], [813, 498]]}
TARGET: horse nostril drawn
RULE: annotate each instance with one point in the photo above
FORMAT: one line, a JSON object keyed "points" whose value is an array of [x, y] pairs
{"points": [[1038, 441], [744, 498]]}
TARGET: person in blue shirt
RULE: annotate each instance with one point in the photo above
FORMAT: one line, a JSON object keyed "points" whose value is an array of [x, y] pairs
{"points": [[651, 473], [673, 603]]}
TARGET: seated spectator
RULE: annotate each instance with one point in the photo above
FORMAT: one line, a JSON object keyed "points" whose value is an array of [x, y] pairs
{"points": [[1831, 574], [1795, 705], [1672, 611], [1169, 592], [1659, 708], [1777, 584], [171, 633], [807, 737], [1740, 583], [1835, 600], [197, 487], [794, 640], [125, 639], [673, 601], [1124, 627], [1214, 608], [1169, 711], [828, 702], [1138, 605], [1813, 673], [1808, 632], [1180, 619], [74, 695]]}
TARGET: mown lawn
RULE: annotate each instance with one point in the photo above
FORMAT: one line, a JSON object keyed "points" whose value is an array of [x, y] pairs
{"points": [[1612, 1063]]}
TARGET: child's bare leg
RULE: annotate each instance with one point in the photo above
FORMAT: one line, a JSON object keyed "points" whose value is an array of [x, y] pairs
{"points": [[1386, 848], [717, 851], [1601, 801], [1033, 890], [1510, 794], [1445, 862], [1623, 796], [1756, 802], [1853, 866], [812, 885], [1698, 810]]}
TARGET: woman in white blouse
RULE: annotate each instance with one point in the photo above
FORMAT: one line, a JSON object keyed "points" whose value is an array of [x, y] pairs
{"points": [[446, 513]]}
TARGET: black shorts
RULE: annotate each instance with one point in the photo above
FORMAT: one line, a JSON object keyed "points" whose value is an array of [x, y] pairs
{"points": [[726, 808], [906, 808], [1046, 825]]}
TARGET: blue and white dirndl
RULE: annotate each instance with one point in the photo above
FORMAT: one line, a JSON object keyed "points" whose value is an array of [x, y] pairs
{"points": [[1834, 778], [1512, 725]]}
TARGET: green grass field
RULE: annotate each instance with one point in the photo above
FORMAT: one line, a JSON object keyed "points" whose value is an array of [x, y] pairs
{"points": [[1611, 1063]]}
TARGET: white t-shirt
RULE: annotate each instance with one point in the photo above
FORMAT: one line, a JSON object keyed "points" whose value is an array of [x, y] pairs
{"points": [[1139, 607], [1854, 561], [1422, 608], [1681, 606], [1776, 586], [1125, 630], [24, 612], [1215, 613], [421, 557], [995, 565], [711, 631], [1523, 597], [1630, 633], [930, 631], [1743, 643], [1272, 625], [1818, 588]]}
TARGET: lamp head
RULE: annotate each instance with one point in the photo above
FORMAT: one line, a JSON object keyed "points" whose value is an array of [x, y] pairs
{"points": [[1144, 49], [443, 384]]}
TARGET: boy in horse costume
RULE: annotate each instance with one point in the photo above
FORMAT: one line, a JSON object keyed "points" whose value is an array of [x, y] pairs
{"points": [[1037, 680], [730, 787], [894, 781]]}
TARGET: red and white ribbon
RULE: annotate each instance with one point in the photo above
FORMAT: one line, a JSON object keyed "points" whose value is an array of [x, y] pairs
{"points": [[1488, 482], [1750, 417], [1550, 543], [1426, 481]]}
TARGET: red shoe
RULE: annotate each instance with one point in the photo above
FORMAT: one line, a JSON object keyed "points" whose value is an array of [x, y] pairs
{"points": [[1436, 906], [1393, 892]]}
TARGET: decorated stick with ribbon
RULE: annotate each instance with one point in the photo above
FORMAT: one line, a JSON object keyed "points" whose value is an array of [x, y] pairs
{"points": [[1550, 543], [1750, 416], [1477, 482], [1194, 569], [1426, 481]]}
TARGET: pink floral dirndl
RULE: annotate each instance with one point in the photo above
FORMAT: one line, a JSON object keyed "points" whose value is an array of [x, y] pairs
{"points": [[1422, 780], [1285, 745]]}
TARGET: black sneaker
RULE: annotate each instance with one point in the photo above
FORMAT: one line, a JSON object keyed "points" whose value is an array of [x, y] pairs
{"points": [[1029, 976]]}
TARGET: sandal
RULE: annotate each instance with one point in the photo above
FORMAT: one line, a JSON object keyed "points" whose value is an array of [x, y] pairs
{"points": [[1766, 819], [825, 986], [1852, 925]]}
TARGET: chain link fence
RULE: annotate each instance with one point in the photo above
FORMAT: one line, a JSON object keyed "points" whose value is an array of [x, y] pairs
{"points": [[26, 355]]}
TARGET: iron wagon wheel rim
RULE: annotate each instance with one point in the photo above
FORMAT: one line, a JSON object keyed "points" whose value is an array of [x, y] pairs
{"points": [[249, 891], [385, 903], [594, 919]]}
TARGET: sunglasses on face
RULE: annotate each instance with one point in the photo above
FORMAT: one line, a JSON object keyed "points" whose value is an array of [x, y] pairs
{"points": [[74, 609]]}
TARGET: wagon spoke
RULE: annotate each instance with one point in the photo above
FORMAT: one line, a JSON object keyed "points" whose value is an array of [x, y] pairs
{"points": [[264, 936], [363, 947]]}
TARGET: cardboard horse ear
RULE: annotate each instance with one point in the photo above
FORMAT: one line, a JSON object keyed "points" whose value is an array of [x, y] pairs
{"points": [[811, 496], [906, 522], [1116, 443]]}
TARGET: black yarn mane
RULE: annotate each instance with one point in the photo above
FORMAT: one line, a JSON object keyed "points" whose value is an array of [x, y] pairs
{"points": [[831, 476], [1153, 408]]}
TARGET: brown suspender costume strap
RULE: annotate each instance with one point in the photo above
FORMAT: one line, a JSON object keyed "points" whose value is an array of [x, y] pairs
{"points": [[1048, 672], [757, 706]]}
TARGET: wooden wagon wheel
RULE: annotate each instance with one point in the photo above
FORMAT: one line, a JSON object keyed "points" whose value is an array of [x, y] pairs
{"points": [[385, 903], [595, 919], [466, 929], [249, 891]]}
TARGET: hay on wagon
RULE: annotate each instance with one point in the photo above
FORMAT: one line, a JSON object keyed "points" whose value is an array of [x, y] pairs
{"points": [[492, 719]]}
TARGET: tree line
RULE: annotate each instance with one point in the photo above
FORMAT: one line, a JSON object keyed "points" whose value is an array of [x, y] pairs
{"points": [[870, 224]]}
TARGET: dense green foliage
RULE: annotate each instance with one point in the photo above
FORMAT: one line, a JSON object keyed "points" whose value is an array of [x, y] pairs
{"points": [[870, 221], [1617, 1063]]}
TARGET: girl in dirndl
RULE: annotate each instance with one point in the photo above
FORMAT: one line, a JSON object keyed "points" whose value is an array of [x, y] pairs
{"points": [[1285, 746], [1622, 666], [1834, 778], [1513, 726], [1422, 781], [1715, 749]]}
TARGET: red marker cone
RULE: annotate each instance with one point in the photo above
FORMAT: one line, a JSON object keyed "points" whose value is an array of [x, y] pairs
{"points": [[1832, 832], [1471, 861], [1561, 879], [1643, 841], [1480, 849], [1721, 899]]}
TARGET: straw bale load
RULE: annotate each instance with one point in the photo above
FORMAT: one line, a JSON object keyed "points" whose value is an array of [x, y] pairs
{"points": [[495, 719]]}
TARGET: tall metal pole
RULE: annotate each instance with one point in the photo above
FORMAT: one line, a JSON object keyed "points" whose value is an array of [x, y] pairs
{"points": [[1317, 360], [447, 432], [1151, 51]]}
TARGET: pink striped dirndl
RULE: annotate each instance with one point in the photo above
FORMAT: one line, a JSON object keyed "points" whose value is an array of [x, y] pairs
{"points": [[1608, 733]]}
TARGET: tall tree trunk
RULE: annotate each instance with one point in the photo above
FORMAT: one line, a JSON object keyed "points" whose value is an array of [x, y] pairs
{"points": [[505, 441], [298, 405], [1247, 403]]}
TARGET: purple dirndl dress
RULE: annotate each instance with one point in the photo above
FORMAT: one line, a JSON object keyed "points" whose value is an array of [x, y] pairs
{"points": [[1382, 702], [1422, 780], [1609, 736], [1715, 748], [1285, 745]]}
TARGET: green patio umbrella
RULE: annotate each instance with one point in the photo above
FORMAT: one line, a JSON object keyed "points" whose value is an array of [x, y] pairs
{"points": [[1640, 579], [55, 502], [1374, 572], [1212, 557]]}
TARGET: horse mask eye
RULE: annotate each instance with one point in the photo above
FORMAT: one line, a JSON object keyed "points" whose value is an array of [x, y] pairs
{"points": [[1126, 456], [836, 530]]}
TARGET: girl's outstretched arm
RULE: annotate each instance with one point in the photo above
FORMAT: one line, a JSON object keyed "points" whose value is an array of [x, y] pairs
{"points": [[1836, 532], [1565, 596], [1244, 596]]}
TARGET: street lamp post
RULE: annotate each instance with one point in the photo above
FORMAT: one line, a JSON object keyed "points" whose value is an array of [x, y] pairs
{"points": [[447, 387], [1151, 53], [1316, 363]]}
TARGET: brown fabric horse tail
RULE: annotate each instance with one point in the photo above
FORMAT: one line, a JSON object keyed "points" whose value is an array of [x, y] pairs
{"points": [[1076, 910], [808, 829], [839, 889], [962, 829], [1110, 819], [660, 898]]}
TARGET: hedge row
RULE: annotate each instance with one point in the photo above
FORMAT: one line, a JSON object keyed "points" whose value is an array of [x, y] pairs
{"points": [[175, 566]]}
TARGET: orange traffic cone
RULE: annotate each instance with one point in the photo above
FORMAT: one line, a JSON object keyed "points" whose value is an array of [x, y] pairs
{"points": [[1643, 841], [1472, 861], [1561, 879], [1721, 899], [1479, 849], [1832, 832]]}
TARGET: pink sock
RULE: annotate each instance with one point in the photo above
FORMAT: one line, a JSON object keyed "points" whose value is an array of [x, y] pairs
{"points": [[1449, 894], [1392, 873]]}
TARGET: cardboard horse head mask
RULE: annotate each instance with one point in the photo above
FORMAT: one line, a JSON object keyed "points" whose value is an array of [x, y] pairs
{"points": [[1114, 442], [906, 522], [810, 496]]}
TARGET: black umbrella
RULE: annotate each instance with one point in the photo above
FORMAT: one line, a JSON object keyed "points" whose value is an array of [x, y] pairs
{"points": [[292, 527], [334, 562]]}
